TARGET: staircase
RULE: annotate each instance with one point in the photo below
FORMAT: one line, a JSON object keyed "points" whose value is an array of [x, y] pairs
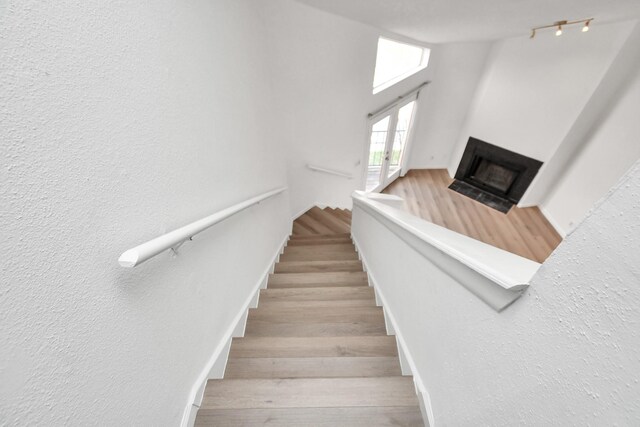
{"points": [[315, 351]]}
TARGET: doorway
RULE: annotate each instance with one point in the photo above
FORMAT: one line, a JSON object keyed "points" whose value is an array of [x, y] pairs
{"points": [[389, 134]]}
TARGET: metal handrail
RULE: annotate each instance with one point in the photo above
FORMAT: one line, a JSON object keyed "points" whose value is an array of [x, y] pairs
{"points": [[175, 238], [330, 171]]}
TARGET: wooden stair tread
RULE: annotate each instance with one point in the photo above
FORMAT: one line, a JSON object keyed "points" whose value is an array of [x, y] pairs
{"points": [[294, 314], [343, 216], [316, 242], [301, 230], [318, 266], [320, 236], [312, 367], [318, 417], [315, 351], [316, 315], [313, 224], [291, 280], [317, 294], [329, 248], [319, 256], [368, 346], [309, 393], [328, 219], [326, 304]]}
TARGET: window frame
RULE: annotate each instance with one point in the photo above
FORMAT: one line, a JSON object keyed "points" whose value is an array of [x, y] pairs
{"points": [[424, 63]]}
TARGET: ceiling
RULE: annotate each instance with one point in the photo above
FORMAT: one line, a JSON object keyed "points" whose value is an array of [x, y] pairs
{"points": [[444, 21]]}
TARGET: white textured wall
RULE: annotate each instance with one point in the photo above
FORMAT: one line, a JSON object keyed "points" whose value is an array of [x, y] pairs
{"points": [[120, 121], [565, 353], [323, 69], [534, 90]]}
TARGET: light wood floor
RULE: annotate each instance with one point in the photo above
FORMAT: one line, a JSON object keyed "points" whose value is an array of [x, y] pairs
{"points": [[523, 231]]}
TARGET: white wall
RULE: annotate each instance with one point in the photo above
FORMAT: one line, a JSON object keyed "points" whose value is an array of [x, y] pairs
{"points": [[565, 353], [612, 149], [458, 68], [120, 121], [323, 73], [534, 90], [605, 141]]}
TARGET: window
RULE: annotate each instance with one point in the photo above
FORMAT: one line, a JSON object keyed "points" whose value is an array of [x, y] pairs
{"points": [[396, 61]]}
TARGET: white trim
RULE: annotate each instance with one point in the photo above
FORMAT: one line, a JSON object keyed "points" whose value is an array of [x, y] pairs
{"points": [[424, 63], [404, 354], [220, 353], [553, 221], [495, 276], [302, 212], [330, 171]]}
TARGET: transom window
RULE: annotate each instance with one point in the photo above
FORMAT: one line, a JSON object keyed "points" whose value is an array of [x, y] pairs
{"points": [[396, 61]]}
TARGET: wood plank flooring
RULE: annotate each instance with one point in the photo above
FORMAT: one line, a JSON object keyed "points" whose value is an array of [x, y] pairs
{"points": [[523, 231], [315, 351]]}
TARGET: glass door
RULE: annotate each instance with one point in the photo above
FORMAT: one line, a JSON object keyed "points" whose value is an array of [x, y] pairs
{"points": [[389, 134], [377, 150]]}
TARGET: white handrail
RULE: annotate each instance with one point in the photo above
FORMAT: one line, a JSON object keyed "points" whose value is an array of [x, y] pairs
{"points": [[143, 252], [330, 171], [508, 274]]}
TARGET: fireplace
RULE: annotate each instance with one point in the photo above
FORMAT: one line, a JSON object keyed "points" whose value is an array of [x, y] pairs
{"points": [[494, 176]]}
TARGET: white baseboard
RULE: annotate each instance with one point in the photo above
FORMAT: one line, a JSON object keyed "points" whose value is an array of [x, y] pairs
{"points": [[302, 212], [218, 361], [407, 363], [561, 231]]}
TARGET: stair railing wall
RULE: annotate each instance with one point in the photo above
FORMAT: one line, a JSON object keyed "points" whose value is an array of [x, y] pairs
{"points": [[430, 280]]}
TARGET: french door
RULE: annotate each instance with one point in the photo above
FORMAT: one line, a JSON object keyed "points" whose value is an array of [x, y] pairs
{"points": [[389, 133]]}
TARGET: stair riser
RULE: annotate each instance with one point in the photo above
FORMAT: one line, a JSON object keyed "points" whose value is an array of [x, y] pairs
{"points": [[314, 329]]}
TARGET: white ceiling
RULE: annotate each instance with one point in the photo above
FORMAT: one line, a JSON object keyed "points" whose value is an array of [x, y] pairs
{"points": [[443, 21]]}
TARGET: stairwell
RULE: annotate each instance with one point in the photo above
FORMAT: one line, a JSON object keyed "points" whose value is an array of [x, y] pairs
{"points": [[315, 351]]}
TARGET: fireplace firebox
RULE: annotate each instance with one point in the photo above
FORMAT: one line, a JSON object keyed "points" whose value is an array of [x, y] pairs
{"points": [[493, 175]]}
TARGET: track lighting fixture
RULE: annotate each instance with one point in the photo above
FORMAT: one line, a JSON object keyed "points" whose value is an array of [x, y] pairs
{"points": [[558, 25]]}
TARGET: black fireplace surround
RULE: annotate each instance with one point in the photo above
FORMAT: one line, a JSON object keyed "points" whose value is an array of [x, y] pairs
{"points": [[496, 171]]}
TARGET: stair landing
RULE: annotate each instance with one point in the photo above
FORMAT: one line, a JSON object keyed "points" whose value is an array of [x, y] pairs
{"points": [[315, 351]]}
